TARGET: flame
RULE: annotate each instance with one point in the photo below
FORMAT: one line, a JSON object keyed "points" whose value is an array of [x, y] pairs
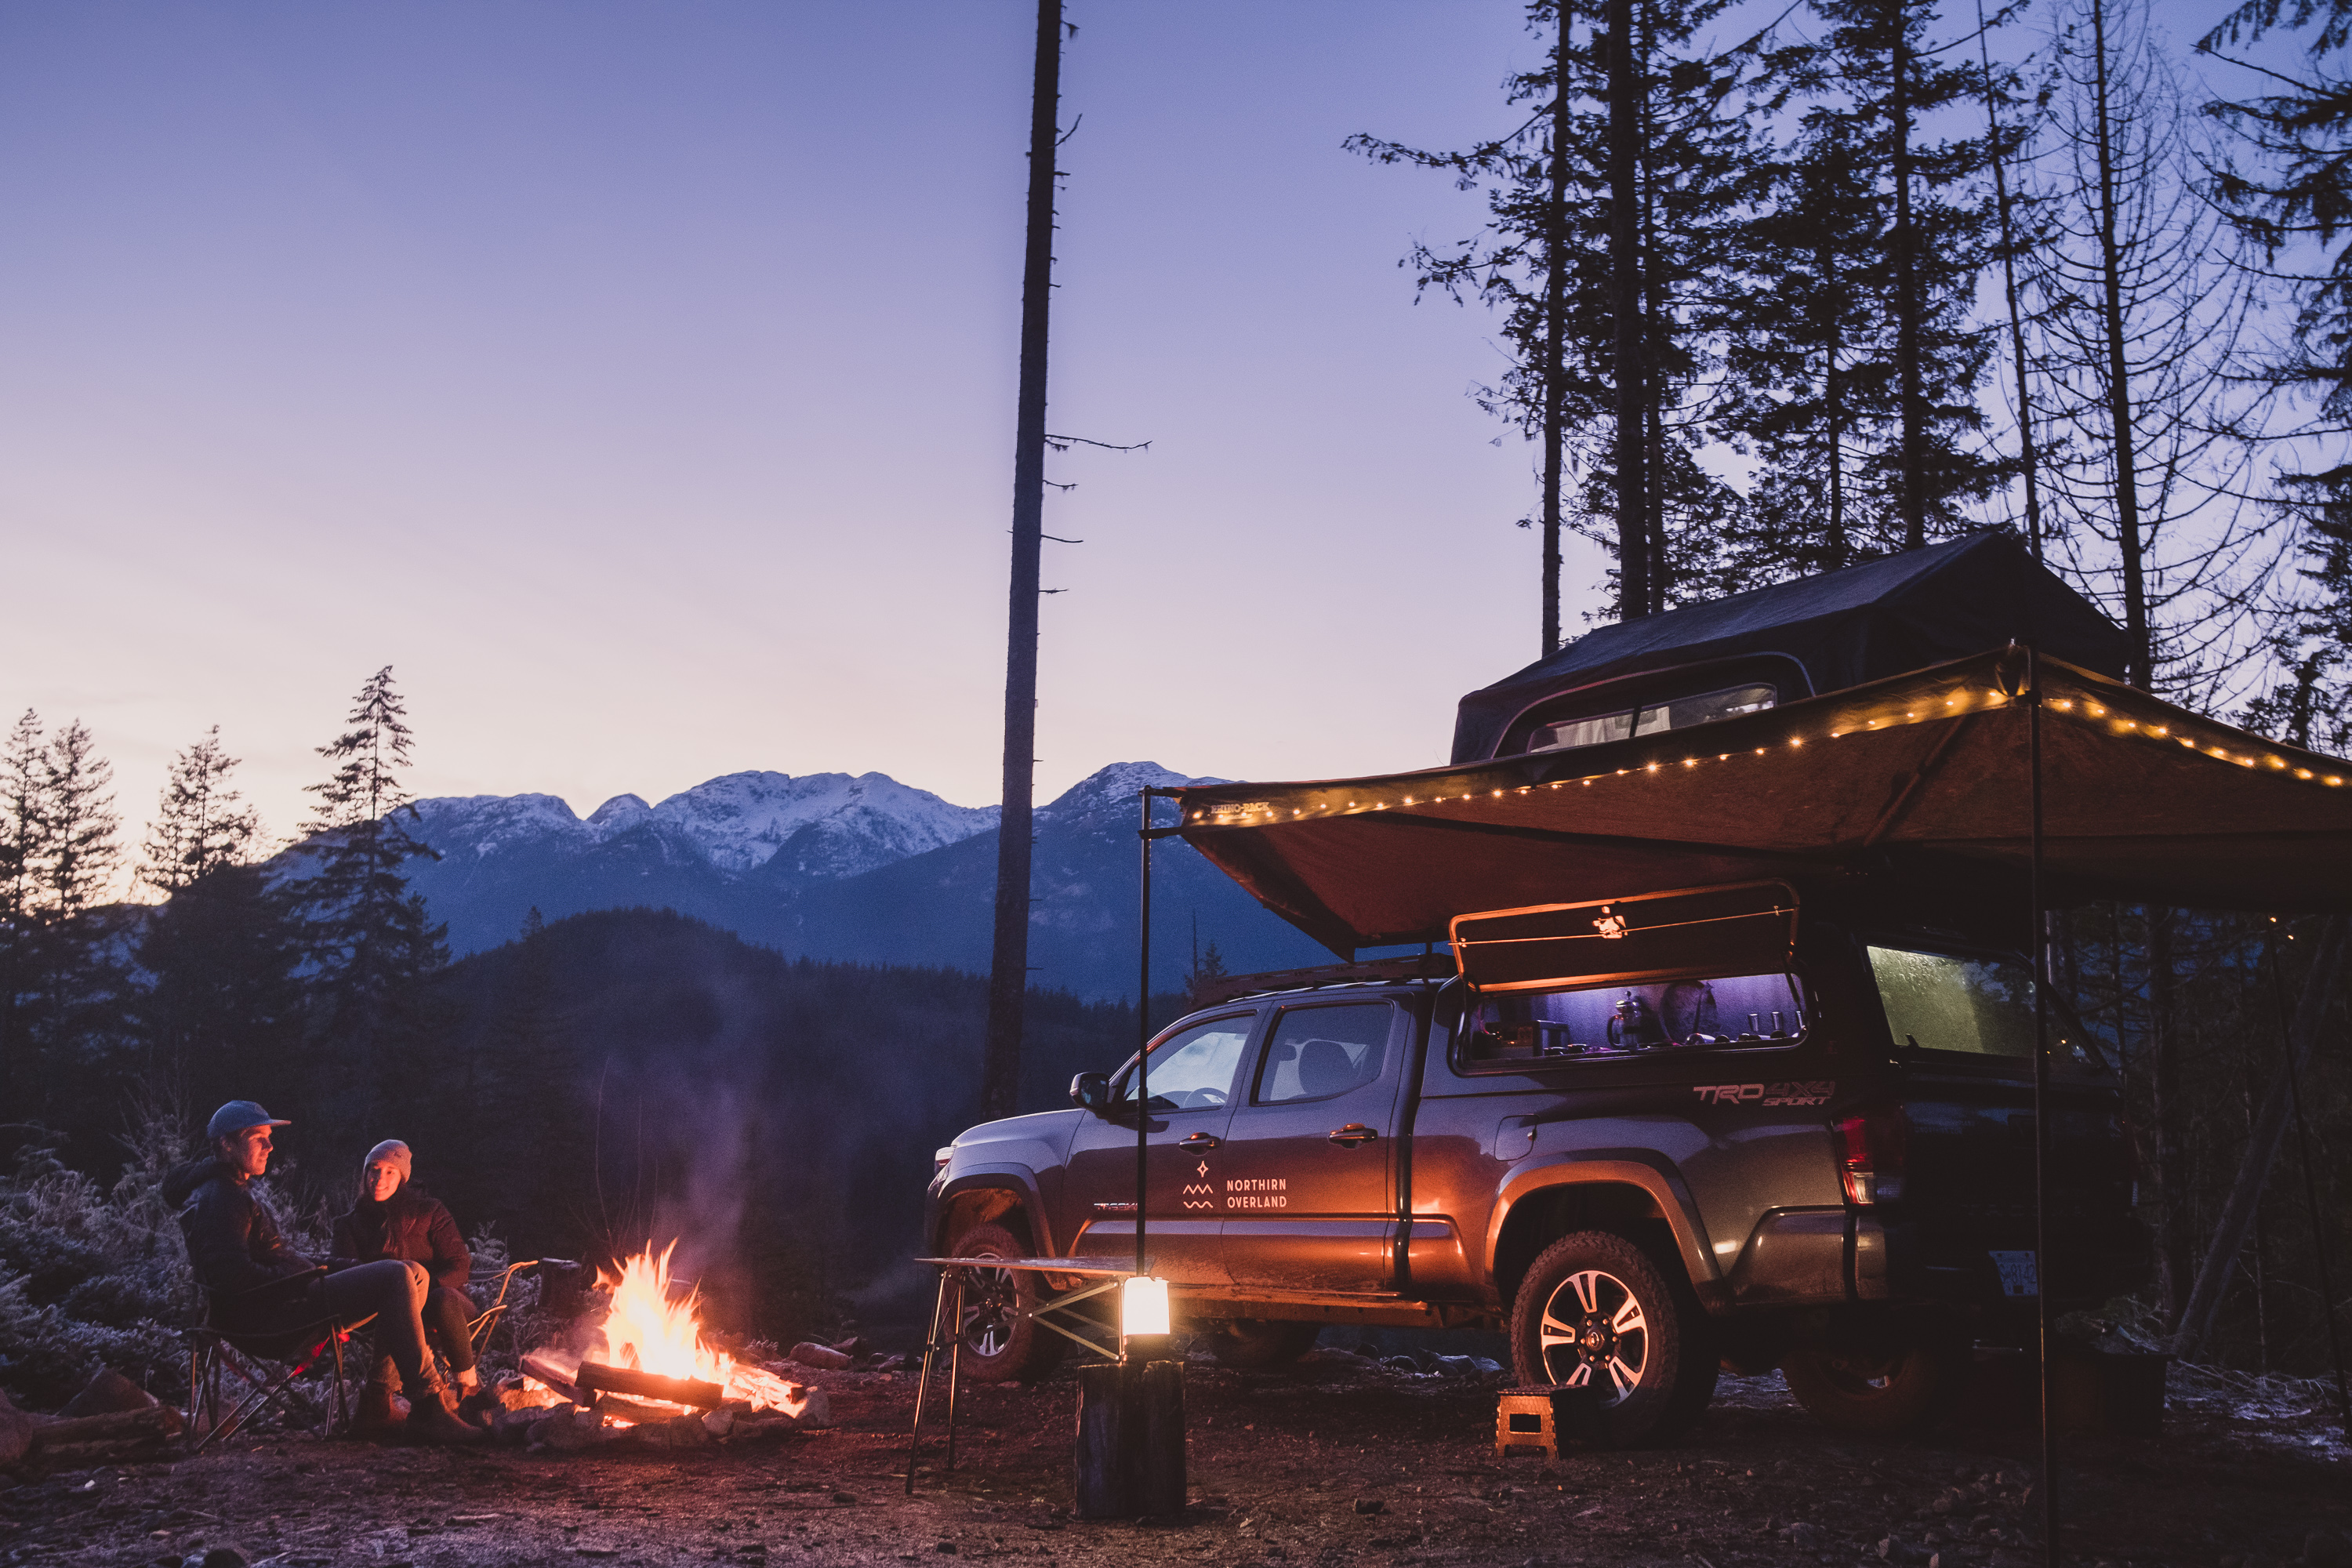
{"points": [[651, 1330]]}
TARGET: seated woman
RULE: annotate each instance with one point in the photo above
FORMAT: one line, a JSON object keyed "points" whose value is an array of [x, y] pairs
{"points": [[396, 1219]]}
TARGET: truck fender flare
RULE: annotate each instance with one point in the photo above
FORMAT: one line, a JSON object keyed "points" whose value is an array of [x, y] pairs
{"points": [[1624, 1168], [1018, 1180]]}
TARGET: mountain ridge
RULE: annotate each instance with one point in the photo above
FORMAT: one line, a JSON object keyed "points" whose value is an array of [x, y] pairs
{"points": [[848, 867]]}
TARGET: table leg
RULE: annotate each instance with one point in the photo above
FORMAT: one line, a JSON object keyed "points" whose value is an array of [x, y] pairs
{"points": [[923, 1379], [955, 1363]]}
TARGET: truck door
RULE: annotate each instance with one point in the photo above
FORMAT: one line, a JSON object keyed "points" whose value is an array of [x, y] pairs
{"points": [[1192, 1085], [1308, 1184]]}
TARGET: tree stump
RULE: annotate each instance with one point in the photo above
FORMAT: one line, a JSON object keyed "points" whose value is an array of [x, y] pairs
{"points": [[1131, 1446]]}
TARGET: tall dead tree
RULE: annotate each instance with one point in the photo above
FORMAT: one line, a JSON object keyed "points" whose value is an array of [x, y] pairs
{"points": [[1008, 971], [1626, 307], [1554, 350]]}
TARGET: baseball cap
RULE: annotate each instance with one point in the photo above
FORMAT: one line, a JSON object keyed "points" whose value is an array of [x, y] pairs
{"points": [[238, 1115]]}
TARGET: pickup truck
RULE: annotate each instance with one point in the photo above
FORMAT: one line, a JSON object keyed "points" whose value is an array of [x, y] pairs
{"points": [[1819, 1158]]}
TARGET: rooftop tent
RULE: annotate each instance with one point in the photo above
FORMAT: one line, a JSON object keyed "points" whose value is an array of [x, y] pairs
{"points": [[1925, 774], [1819, 635]]}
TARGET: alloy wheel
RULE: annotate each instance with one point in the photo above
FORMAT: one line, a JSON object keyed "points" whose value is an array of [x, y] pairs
{"points": [[1593, 1333]]}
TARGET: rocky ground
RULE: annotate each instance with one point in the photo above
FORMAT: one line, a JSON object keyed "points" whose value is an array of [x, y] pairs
{"points": [[1338, 1460]]}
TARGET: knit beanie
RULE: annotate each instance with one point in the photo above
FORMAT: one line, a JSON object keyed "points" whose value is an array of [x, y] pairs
{"points": [[394, 1153]]}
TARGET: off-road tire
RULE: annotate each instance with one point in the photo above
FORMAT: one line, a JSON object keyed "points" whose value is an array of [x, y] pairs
{"points": [[1258, 1344], [1595, 1307], [1001, 1343], [1901, 1389]]}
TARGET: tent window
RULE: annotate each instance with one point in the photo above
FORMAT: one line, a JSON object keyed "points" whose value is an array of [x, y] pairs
{"points": [[1941, 1002], [1650, 718], [1509, 1031]]}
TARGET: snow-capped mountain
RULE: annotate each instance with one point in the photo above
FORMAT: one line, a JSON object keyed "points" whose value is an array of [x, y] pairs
{"points": [[829, 865], [825, 825]]}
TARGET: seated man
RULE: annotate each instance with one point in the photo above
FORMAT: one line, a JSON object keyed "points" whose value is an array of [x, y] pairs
{"points": [[396, 1218], [261, 1286]]}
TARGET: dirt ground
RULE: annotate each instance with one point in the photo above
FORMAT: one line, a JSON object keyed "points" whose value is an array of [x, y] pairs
{"points": [[1335, 1461]]}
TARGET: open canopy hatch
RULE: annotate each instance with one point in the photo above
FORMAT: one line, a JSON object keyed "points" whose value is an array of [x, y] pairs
{"points": [[1771, 647], [1930, 769]]}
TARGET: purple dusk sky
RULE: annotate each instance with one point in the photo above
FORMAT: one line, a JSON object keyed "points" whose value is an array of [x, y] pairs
{"points": [[638, 382]]}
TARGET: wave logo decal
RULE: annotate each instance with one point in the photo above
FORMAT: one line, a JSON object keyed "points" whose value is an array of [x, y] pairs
{"points": [[1203, 1193]]}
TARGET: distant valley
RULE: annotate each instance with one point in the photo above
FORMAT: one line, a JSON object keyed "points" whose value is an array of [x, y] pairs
{"points": [[861, 868]]}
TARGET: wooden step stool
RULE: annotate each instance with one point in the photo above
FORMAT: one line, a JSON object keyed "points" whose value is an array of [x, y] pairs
{"points": [[1544, 1418]]}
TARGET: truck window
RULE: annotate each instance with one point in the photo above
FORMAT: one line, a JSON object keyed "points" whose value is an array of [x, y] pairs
{"points": [[1318, 1052], [1194, 1070], [1943, 1001], [1507, 1031]]}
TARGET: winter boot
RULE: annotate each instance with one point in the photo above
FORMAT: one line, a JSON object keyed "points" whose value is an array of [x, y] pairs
{"points": [[379, 1415], [433, 1415]]}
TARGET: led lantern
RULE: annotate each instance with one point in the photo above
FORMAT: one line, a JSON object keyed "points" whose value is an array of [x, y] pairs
{"points": [[1142, 1307]]}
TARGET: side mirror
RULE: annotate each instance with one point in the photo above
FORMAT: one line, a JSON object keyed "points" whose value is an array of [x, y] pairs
{"points": [[1090, 1091]]}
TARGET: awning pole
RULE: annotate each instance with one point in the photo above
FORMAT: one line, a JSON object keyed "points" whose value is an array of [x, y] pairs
{"points": [[2040, 938], [1143, 1032]]}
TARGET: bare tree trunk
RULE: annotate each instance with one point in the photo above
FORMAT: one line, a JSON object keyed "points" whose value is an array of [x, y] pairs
{"points": [[1653, 314], [1907, 293], [1625, 303], [1555, 331], [2027, 460], [2196, 1320], [2140, 653], [1008, 974], [1833, 403], [2169, 1103]]}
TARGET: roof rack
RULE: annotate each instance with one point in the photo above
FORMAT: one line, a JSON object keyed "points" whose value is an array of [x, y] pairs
{"points": [[1418, 966]]}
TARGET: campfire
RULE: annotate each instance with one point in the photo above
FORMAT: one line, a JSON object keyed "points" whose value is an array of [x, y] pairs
{"points": [[647, 1359]]}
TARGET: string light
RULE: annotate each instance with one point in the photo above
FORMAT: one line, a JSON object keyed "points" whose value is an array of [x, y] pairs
{"points": [[1229, 816]]}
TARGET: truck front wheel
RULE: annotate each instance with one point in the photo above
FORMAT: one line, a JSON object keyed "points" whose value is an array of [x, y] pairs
{"points": [[1002, 1343], [1897, 1389], [1595, 1311]]}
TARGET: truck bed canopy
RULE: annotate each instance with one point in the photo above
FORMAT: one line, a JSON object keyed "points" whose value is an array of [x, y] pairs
{"points": [[1808, 637], [2142, 800]]}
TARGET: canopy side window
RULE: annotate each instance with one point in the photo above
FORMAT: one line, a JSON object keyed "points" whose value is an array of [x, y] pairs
{"points": [[1513, 1030]]}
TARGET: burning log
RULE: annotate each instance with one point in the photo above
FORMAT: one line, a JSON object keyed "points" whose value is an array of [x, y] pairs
{"points": [[596, 1377], [545, 1367]]}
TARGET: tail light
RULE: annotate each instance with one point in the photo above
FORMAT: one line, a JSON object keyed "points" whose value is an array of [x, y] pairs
{"points": [[1870, 1159]]}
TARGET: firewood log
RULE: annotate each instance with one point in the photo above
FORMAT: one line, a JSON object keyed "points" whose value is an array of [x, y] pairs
{"points": [[596, 1376]]}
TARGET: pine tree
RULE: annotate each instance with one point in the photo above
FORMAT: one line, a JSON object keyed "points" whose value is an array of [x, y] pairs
{"points": [[218, 1014], [65, 976], [2299, 189], [23, 843], [368, 938], [1862, 400], [1607, 213], [200, 825]]}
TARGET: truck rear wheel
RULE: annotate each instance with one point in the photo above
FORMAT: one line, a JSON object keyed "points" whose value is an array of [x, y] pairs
{"points": [[1898, 1389], [1595, 1311], [1255, 1344], [1001, 1341]]}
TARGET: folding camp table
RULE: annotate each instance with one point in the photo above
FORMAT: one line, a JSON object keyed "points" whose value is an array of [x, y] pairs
{"points": [[947, 1308]]}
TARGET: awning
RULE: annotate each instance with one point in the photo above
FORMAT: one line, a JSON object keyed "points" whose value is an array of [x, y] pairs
{"points": [[2143, 801]]}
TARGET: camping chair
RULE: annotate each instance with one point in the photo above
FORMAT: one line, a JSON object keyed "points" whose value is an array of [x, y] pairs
{"points": [[214, 1349], [487, 1323]]}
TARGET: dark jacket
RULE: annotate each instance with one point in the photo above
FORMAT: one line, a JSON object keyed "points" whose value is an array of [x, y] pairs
{"points": [[233, 1243], [412, 1226]]}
